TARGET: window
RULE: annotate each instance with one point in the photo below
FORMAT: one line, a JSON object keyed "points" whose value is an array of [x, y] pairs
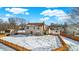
{"points": [[7, 31], [27, 27], [22, 29], [33, 27], [38, 28]]}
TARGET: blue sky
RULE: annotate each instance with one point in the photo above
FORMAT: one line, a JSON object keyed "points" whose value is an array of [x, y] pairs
{"points": [[37, 14]]}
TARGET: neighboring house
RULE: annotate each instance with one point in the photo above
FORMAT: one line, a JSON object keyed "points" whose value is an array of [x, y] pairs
{"points": [[69, 29], [35, 28], [72, 29], [7, 32], [77, 28], [8, 29], [2, 31], [54, 29]]}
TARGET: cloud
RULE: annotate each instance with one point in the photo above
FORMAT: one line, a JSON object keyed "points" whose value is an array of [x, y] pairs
{"points": [[8, 15], [0, 7], [5, 17], [26, 13], [58, 13], [17, 10], [44, 19]]}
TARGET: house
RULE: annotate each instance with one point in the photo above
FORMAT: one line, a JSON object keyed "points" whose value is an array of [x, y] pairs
{"points": [[72, 29], [35, 28], [54, 29], [77, 29]]}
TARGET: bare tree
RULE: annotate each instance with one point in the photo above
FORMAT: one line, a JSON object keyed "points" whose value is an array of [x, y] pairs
{"points": [[16, 21], [22, 22], [75, 15]]}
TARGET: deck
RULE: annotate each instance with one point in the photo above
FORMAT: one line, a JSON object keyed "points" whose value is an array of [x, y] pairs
{"points": [[19, 47], [65, 44]]}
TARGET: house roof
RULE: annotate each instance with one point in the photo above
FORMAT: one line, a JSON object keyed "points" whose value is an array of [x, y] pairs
{"points": [[36, 24]]}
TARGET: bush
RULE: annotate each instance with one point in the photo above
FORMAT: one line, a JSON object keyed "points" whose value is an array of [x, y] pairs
{"points": [[44, 33], [8, 35]]}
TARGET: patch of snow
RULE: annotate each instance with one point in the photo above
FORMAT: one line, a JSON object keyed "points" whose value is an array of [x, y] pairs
{"points": [[73, 45], [5, 48], [21, 31]]}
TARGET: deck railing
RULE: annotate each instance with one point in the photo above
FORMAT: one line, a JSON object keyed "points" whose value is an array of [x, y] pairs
{"points": [[64, 45], [70, 36], [14, 46]]}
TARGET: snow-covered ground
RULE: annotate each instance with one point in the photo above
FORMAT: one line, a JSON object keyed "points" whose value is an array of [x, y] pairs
{"points": [[73, 45], [36, 43], [5, 48]]}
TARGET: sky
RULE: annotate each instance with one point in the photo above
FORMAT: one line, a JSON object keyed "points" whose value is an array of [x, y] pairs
{"points": [[37, 14]]}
